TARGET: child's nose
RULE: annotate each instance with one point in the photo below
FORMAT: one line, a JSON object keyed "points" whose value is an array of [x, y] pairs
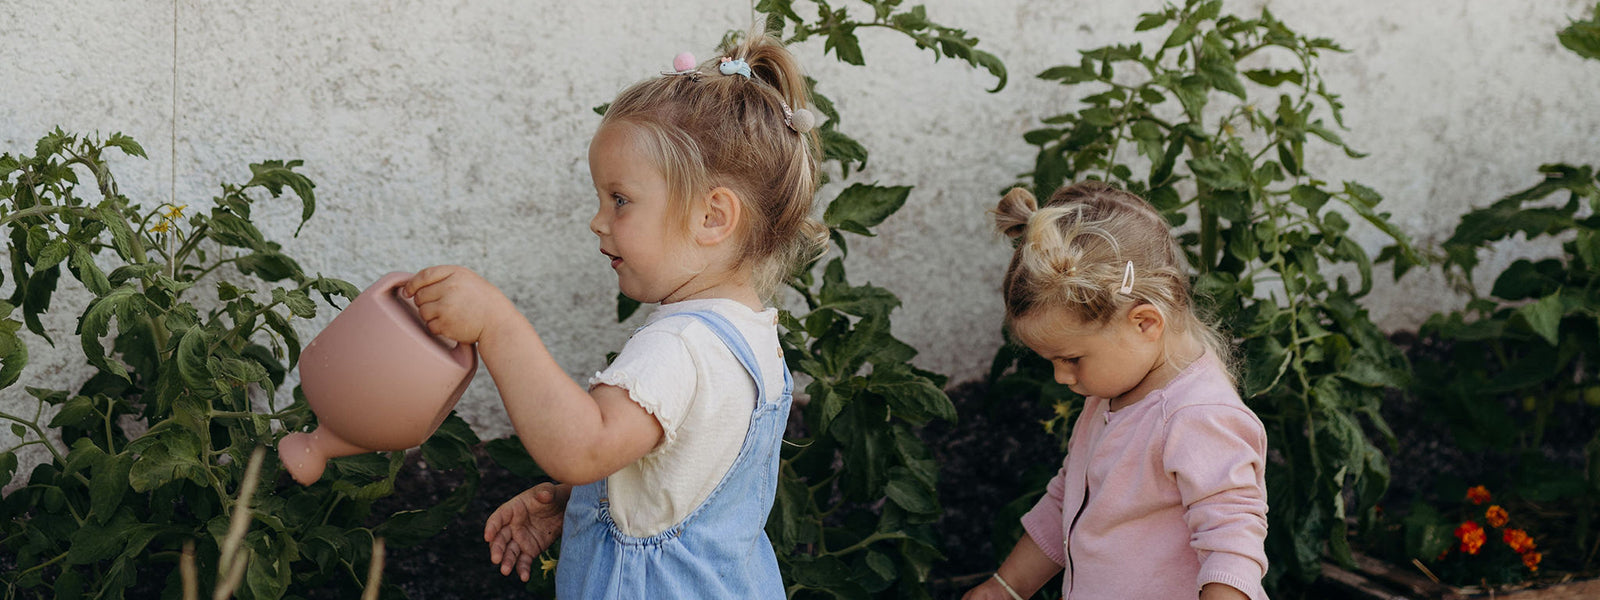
{"points": [[595, 224], [1065, 376]]}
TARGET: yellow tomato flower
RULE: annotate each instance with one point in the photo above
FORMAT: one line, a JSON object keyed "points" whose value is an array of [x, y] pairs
{"points": [[547, 564], [159, 227], [174, 212]]}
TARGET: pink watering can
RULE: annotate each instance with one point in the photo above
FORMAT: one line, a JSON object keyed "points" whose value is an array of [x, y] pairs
{"points": [[377, 380]]}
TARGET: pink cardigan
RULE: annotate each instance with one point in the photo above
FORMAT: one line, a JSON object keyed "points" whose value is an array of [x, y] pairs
{"points": [[1169, 494]]}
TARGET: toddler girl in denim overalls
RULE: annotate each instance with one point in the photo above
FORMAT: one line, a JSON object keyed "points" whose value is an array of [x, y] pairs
{"points": [[668, 461]]}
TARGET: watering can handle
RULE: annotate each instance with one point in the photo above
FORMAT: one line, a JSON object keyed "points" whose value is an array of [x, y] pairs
{"points": [[390, 284]]}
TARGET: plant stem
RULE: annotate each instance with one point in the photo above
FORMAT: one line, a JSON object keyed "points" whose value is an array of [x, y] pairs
{"points": [[213, 267], [58, 558], [110, 439], [39, 431], [871, 539], [189, 245]]}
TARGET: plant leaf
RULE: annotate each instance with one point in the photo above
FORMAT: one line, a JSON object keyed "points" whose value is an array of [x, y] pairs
{"points": [[865, 206], [274, 175], [126, 144], [123, 303], [297, 301], [1583, 37], [1544, 317], [192, 364]]}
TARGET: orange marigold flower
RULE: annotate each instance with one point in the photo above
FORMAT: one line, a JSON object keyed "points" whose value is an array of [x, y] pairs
{"points": [[1518, 540], [1479, 495], [1531, 560], [1472, 537], [1496, 516]]}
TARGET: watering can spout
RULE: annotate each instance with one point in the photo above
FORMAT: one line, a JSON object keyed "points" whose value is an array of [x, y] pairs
{"points": [[305, 455]]}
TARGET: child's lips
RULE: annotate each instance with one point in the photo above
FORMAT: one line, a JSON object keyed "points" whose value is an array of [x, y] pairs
{"points": [[615, 260]]}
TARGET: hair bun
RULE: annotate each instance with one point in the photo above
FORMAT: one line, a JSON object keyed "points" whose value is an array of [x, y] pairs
{"points": [[1012, 214]]}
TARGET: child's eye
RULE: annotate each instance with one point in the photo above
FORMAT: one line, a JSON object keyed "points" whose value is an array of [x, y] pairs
{"points": [[618, 200]]}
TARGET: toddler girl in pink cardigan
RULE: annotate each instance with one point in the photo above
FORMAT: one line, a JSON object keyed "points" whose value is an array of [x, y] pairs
{"points": [[1162, 494]]}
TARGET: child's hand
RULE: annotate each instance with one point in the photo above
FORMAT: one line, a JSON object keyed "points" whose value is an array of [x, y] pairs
{"points": [[457, 303], [525, 526]]}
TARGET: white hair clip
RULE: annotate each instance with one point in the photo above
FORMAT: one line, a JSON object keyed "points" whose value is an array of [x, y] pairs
{"points": [[1127, 280]]}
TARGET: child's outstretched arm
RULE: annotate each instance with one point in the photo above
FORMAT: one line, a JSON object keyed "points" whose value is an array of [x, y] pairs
{"points": [[577, 436]]}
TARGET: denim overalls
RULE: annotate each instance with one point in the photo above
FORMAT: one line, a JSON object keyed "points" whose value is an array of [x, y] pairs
{"points": [[720, 550]]}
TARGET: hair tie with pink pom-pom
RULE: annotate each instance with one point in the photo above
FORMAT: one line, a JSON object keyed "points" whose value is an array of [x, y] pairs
{"points": [[684, 61], [683, 64]]}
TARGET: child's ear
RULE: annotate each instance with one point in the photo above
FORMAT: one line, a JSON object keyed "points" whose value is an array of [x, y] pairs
{"points": [[716, 217], [1148, 320]]}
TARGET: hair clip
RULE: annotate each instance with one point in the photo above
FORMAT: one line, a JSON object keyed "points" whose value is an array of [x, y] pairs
{"points": [[1127, 280], [799, 120], [732, 65], [683, 64]]}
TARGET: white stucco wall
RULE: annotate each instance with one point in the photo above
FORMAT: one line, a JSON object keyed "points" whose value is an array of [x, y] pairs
{"points": [[455, 132]]}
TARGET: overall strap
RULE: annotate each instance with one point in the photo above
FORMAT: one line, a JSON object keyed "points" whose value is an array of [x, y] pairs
{"points": [[735, 341]]}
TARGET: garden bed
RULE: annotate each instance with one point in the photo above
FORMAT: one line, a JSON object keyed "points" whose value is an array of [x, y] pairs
{"points": [[1376, 579]]}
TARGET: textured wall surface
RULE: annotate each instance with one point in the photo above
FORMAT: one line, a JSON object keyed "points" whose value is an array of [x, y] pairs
{"points": [[455, 132]]}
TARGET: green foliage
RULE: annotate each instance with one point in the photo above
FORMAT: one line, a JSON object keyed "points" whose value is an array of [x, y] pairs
{"points": [[153, 446], [1583, 37], [838, 29], [1522, 356], [857, 494], [1210, 120]]}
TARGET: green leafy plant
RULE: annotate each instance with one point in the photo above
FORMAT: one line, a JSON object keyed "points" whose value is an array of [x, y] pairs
{"points": [[857, 492], [146, 455], [1533, 337], [1521, 357], [1211, 122]]}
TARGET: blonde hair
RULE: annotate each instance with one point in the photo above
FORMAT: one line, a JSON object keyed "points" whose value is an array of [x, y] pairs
{"points": [[704, 129], [1074, 254]]}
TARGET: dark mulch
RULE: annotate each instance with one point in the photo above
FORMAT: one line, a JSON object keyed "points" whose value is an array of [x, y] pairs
{"points": [[455, 563], [995, 452]]}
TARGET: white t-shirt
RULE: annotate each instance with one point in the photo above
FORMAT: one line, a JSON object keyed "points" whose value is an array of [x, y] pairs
{"points": [[679, 371]]}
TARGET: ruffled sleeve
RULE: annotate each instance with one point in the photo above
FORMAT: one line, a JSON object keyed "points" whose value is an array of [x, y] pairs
{"points": [[658, 372]]}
